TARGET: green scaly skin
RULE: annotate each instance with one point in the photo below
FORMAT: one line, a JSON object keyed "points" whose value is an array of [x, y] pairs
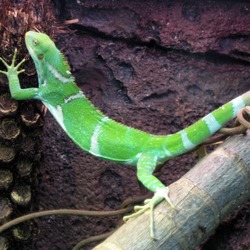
{"points": [[101, 136]]}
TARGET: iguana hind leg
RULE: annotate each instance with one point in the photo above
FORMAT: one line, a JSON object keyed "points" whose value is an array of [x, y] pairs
{"points": [[145, 167]]}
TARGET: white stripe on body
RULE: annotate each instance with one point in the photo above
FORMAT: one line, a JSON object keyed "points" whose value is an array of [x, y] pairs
{"points": [[187, 144], [75, 96], [167, 153], [94, 147], [212, 124], [57, 113], [58, 75], [237, 104]]}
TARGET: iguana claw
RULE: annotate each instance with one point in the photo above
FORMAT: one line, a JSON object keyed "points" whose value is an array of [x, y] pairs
{"points": [[160, 194], [12, 68]]}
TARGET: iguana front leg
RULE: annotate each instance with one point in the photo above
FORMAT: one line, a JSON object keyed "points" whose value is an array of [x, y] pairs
{"points": [[14, 84], [145, 167]]}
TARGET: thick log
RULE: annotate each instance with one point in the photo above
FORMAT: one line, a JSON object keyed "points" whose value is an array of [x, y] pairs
{"points": [[203, 197]]}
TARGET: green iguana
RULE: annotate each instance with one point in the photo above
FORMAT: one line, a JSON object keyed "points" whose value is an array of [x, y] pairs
{"points": [[101, 136]]}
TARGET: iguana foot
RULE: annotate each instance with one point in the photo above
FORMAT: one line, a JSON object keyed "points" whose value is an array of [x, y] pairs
{"points": [[12, 68], [160, 194]]}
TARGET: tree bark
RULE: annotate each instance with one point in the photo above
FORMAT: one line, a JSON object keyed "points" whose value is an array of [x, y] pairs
{"points": [[210, 191]]}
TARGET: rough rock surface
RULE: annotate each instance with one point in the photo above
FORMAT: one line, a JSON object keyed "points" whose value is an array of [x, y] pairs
{"points": [[154, 65]]}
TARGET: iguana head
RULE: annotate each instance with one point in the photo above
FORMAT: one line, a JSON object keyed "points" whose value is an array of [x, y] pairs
{"points": [[49, 61], [38, 45]]}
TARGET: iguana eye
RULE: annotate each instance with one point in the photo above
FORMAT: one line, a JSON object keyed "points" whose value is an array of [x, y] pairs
{"points": [[35, 42], [40, 56]]}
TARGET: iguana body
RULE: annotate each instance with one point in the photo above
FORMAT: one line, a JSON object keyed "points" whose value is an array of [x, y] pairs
{"points": [[101, 136]]}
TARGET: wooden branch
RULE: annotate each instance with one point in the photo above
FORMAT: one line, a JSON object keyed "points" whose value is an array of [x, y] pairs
{"points": [[217, 185]]}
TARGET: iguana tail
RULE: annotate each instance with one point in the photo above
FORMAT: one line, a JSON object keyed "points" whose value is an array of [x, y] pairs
{"points": [[195, 134]]}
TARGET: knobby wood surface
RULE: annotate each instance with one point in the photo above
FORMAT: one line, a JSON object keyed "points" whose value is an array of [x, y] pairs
{"points": [[210, 191]]}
